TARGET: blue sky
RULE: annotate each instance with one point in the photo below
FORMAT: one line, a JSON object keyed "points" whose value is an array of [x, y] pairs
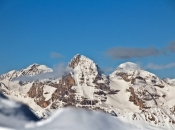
{"points": [[52, 31]]}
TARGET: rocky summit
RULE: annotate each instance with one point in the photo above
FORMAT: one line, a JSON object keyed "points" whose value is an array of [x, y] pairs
{"points": [[129, 92]]}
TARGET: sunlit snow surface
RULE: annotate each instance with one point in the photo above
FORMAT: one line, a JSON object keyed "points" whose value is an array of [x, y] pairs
{"points": [[75, 119], [13, 117]]}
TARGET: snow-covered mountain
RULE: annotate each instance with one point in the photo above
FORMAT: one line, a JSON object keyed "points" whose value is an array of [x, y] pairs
{"points": [[154, 97], [130, 92], [31, 70], [86, 86]]}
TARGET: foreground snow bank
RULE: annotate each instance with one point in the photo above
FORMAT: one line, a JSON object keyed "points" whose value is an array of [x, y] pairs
{"points": [[14, 114], [80, 119], [64, 119]]}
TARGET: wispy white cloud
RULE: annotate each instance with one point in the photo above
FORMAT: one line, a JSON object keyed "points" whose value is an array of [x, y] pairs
{"points": [[56, 55], [158, 66]]}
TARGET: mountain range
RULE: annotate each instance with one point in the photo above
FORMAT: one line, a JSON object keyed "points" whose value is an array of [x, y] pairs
{"points": [[129, 93]]}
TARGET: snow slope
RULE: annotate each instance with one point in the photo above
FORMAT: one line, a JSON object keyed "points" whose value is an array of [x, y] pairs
{"points": [[131, 93]]}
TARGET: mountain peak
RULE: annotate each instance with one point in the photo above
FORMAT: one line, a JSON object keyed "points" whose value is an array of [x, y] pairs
{"points": [[38, 67], [80, 58], [74, 62], [35, 65], [31, 70], [129, 66]]}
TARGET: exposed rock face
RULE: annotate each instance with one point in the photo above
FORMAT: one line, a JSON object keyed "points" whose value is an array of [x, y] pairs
{"points": [[64, 93], [103, 86], [75, 61], [134, 98], [138, 79], [124, 76], [140, 98], [36, 92], [86, 87]]}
